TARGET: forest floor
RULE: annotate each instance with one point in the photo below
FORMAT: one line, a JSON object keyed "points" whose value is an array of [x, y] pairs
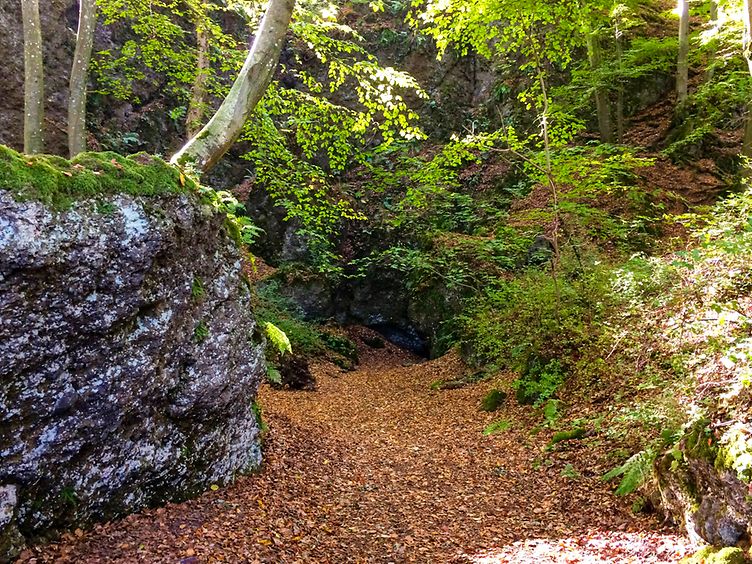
{"points": [[376, 466]]}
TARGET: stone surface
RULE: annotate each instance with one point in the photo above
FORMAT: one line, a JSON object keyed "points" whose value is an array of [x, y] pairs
{"points": [[127, 369], [710, 503]]}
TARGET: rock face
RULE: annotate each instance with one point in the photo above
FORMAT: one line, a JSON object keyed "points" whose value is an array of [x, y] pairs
{"points": [[127, 365], [701, 494]]}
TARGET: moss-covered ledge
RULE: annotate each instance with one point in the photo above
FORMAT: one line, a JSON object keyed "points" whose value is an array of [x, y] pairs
{"points": [[704, 486], [58, 182]]}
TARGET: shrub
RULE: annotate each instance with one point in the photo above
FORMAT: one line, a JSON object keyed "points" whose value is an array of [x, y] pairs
{"points": [[493, 400]]}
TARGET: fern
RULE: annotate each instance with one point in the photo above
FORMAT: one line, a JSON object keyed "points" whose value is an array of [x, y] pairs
{"points": [[635, 472], [278, 337], [497, 427], [273, 375]]}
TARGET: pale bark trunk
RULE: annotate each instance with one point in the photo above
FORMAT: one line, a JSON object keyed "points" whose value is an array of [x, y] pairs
{"points": [[87, 21], [747, 45], [682, 65], [33, 78], [602, 106], [206, 148], [714, 25], [197, 105], [620, 91]]}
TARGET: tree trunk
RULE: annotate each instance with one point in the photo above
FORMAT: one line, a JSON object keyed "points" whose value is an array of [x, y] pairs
{"points": [[602, 106], [714, 24], [620, 91], [747, 45], [197, 105], [87, 21], [33, 78], [682, 64], [206, 148]]}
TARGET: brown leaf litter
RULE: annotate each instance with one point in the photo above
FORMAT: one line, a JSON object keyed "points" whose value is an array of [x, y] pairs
{"points": [[376, 466]]}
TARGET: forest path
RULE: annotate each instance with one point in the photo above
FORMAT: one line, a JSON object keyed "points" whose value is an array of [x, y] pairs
{"points": [[375, 466]]}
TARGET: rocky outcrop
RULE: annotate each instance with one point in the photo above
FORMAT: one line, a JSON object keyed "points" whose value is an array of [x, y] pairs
{"points": [[702, 490], [128, 367]]}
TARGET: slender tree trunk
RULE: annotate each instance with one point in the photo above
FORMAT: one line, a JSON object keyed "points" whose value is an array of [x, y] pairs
{"points": [[714, 25], [682, 65], [620, 91], [33, 78], [87, 21], [198, 104], [747, 46], [206, 148], [602, 105]]}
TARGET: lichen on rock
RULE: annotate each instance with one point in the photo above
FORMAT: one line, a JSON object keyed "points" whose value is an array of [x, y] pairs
{"points": [[108, 402], [702, 490]]}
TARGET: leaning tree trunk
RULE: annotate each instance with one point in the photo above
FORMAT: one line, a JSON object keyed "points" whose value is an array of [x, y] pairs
{"points": [[602, 105], [197, 105], [204, 150], [87, 21], [33, 78], [682, 64]]}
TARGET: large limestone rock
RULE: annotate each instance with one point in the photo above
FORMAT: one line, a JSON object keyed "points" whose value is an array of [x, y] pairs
{"points": [[127, 364], [702, 490]]}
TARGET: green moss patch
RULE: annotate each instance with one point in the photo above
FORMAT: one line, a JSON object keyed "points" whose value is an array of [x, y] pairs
{"points": [[713, 555], [57, 182]]}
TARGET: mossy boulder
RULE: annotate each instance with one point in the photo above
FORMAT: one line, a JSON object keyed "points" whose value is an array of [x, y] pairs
{"points": [[57, 182], [108, 401], [700, 492]]}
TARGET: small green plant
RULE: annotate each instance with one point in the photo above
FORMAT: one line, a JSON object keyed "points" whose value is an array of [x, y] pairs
{"points": [[258, 413], [106, 208], [539, 381], [341, 346], [278, 338], [497, 427], [634, 472], [570, 472], [197, 288], [201, 332], [575, 434], [69, 496], [273, 375], [493, 400], [551, 413], [177, 113]]}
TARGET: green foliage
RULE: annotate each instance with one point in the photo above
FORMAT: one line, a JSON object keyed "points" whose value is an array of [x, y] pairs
{"points": [[258, 413], [535, 324], [197, 288], [58, 183], [572, 435], [201, 332], [551, 413], [715, 555], [162, 47], [342, 346], [240, 226], [272, 307], [273, 375], [278, 338], [634, 472], [539, 381], [570, 472], [497, 427], [69, 496], [641, 62], [493, 400]]}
